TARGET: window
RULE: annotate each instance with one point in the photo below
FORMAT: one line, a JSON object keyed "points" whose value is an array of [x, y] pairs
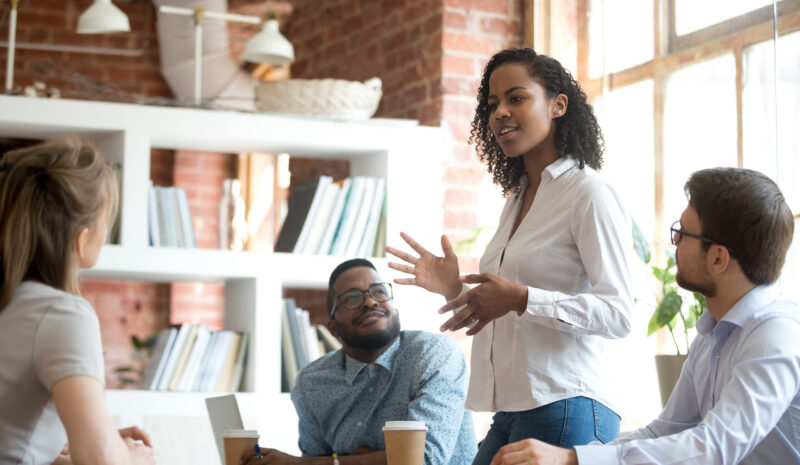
{"points": [[693, 15], [680, 85]]}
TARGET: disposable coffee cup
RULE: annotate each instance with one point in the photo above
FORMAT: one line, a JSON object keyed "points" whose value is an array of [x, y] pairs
{"points": [[405, 442], [237, 442]]}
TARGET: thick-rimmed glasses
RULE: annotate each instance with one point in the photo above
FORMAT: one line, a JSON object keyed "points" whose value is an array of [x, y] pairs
{"points": [[352, 299], [677, 234]]}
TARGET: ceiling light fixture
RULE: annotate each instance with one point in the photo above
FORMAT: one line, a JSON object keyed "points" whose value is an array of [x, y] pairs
{"points": [[103, 17], [268, 46]]}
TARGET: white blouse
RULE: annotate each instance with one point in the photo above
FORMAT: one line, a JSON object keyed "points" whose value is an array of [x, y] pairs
{"points": [[571, 250]]}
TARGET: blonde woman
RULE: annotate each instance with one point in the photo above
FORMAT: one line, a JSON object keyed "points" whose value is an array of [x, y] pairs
{"points": [[55, 203]]}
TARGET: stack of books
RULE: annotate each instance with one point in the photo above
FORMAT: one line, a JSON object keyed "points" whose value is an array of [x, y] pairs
{"points": [[302, 343], [170, 224], [346, 218], [194, 358]]}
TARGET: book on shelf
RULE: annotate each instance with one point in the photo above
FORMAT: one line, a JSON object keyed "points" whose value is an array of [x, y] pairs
{"points": [[309, 334], [161, 349], [152, 216], [301, 342], [241, 360], [333, 218], [228, 362], [327, 339], [114, 230], [297, 338], [174, 354], [205, 365], [168, 233], [289, 366], [367, 240], [169, 219], [362, 215], [319, 222], [313, 213], [348, 219], [187, 230], [194, 358], [380, 235], [300, 201], [183, 359], [217, 361]]}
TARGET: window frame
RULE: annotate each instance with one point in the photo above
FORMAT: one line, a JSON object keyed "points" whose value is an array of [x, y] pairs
{"points": [[671, 53]]}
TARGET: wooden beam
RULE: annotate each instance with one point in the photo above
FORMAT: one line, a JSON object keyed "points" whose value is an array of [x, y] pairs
{"points": [[734, 26], [528, 23], [584, 44], [739, 56], [672, 62]]}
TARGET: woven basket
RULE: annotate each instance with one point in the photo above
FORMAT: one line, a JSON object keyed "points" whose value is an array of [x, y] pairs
{"points": [[323, 97]]}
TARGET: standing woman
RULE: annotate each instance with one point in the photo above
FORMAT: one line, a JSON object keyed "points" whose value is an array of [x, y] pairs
{"points": [[554, 280], [56, 200]]}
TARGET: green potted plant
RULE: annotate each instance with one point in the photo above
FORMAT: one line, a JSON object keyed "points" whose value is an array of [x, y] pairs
{"points": [[674, 309]]}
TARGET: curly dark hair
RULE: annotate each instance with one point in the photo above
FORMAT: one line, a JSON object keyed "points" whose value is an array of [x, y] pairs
{"points": [[577, 133]]}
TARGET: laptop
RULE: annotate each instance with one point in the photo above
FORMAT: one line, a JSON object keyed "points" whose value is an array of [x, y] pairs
{"points": [[223, 412]]}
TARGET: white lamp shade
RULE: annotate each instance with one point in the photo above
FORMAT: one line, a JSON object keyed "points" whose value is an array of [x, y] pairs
{"points": [[103, 17], [269, 46]]}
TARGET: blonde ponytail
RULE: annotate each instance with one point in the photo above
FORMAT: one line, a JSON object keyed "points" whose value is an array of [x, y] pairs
{"points": [[48, 194]]}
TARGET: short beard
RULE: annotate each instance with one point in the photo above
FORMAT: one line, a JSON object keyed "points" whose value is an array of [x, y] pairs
{"points": [[372, 341], [707, 288]]}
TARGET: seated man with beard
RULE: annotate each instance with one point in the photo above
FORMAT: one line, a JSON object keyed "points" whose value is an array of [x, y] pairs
{"points": [[380, 374]]}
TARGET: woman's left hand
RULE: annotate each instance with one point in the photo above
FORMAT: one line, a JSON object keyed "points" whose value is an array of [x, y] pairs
{"points": [[137, 434], [493, 297]]}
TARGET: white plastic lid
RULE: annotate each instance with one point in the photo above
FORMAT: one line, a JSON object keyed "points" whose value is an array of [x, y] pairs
{"points": [[240, 433], [405, 425]]}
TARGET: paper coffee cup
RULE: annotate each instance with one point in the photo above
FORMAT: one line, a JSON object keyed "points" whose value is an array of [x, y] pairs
{"points": [[237, 442], [405, 442]]}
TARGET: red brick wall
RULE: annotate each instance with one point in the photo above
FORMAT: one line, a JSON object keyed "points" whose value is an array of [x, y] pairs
{"points": [[398, 41], [473, 31], [53, 22], [201, 175]]}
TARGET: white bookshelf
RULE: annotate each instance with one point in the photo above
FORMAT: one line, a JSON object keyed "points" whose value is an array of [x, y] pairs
{"points": [[409, 157]]}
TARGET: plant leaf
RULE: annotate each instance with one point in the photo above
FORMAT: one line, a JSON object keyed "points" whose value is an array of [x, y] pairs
{"points": [[666, 311], [137, 342], [695, 310], [670, 251], [640, 242], [658, 273]]}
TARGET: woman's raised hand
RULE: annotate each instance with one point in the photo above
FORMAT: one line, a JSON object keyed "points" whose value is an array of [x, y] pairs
{"points": [[432, 273]]}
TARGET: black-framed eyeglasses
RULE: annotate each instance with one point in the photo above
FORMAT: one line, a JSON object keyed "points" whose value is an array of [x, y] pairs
{"points": [[677, 234], [353, 298]]}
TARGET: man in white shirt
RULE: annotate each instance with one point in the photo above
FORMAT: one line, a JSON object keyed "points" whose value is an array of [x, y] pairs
{"points": [[736, 400]]}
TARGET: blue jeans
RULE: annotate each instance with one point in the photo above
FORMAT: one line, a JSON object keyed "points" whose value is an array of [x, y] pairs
{"points": [[566, 423]]}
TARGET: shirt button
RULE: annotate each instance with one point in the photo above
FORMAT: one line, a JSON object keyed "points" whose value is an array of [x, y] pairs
{"points": [[359, 423], [370, 389]]}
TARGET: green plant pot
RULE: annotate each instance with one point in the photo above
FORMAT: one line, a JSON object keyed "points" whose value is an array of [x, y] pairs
{"points": [[668, 368]]}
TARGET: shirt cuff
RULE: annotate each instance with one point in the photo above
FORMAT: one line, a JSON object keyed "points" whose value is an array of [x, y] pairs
{"points": [[464, 288], [598, 455], [538, 298]]}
